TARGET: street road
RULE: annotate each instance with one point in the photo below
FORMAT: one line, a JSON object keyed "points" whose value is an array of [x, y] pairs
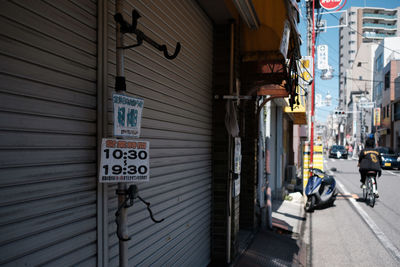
{"points": [[351, 233]]}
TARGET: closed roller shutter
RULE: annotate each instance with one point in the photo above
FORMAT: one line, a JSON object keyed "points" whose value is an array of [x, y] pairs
{"points": [[48, 133], [177, 121]]}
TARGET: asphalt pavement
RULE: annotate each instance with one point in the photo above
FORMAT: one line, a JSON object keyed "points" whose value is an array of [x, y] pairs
{"points": [[351, 233], [348, 234]]}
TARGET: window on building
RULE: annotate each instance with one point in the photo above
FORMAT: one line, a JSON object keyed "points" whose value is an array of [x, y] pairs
{"points": [[388, 111], [379, 62], [351, 61], [396, 111], [387, 80], [359, 64], [352, 51], [360, 78], [383, 112]]}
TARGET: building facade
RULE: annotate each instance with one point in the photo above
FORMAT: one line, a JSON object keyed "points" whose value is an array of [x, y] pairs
{"points": [[365, 25], [385, 71]]}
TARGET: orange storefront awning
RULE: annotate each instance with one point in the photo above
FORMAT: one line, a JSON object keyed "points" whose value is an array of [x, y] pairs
{"points": [[271, 50]]}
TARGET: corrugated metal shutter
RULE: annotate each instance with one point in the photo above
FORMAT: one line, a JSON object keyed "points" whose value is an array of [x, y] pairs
{"points": [[48, 133], [177, 120]]}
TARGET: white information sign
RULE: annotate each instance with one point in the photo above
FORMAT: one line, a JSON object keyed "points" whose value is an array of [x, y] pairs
{"points": [[322, 54], [236, 188], [127, 115], [238, 155], [367, 105], [285, 39], [124, 161]]}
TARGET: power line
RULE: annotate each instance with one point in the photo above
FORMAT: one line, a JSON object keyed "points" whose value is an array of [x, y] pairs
{"points": [[364, 80]]}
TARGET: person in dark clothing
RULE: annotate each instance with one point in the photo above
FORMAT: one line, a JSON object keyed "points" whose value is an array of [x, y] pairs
{"points": [[369, 159]]}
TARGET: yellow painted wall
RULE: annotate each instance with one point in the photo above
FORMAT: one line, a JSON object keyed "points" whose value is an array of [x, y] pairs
{"points": [[318, 161]]}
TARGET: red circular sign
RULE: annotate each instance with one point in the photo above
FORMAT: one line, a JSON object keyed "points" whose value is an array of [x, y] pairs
{"points": [[330, 4]]}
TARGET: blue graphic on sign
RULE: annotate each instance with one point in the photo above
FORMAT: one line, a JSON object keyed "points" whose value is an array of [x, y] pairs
{"points": [[121, 116], [132, 117], [127, 115]]}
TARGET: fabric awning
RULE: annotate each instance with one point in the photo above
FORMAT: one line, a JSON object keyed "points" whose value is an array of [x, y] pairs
{"points": [[270, 52], [264, 43]]}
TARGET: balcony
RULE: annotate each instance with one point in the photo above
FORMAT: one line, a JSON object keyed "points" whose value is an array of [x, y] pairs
{"points": [[381, 26], [379, 16], [374, 35]]}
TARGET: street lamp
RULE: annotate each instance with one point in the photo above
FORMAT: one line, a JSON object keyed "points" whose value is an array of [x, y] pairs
{"points": [[327, 102], [361, 103]]}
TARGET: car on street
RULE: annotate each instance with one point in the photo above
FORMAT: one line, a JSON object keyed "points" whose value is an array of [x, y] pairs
{"points": [[337, 151], [390, 159]]}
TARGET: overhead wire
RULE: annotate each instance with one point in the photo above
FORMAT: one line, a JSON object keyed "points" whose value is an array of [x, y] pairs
{"points": [[378, 43]]}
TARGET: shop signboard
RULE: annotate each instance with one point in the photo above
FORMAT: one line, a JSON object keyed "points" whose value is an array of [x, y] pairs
{"points": [[377, 116], [322, 54]]}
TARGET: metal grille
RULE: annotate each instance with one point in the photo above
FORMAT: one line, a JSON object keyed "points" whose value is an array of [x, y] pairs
{"points": [[48, 133], [177, 122]]}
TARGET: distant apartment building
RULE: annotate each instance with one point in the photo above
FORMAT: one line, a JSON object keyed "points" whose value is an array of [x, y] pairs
{"points": [[365, 25], [386, 70], [396, 115]]}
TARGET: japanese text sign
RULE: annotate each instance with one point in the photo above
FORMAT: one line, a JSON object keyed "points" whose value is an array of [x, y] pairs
{"points": [[124, 161], [127, 115]]}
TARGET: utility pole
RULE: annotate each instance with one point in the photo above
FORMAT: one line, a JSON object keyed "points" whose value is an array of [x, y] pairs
{"points": [[311, 51]]}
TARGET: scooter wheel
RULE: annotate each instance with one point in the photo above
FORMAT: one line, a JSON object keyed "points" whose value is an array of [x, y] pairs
{"points": [[310, 204]]}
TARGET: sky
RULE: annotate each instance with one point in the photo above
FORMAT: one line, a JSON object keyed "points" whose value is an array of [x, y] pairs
{"points": [[331, 38]]}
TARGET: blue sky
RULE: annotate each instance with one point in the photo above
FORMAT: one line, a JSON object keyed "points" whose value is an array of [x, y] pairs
{"points": [[331, 38]]}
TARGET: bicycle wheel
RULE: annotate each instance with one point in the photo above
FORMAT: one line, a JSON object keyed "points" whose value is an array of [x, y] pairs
{"points": [[364, 193], [371, 195]]}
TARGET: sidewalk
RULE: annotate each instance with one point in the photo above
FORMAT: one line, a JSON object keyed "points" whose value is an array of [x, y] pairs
{"points": [[281, 246]]}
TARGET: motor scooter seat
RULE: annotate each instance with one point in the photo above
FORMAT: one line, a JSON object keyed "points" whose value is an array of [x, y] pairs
{"points": [[329, 180]]}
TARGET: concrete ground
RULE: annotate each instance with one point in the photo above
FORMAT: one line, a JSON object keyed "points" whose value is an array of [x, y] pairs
{"points": [[283, 245]]}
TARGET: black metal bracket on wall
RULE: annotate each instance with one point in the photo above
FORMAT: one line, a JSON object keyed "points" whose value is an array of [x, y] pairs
{"points": [[140, 36], [130, 195]]}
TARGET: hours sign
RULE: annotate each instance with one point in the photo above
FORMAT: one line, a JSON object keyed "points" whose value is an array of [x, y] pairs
{"points": [[124, 160]]}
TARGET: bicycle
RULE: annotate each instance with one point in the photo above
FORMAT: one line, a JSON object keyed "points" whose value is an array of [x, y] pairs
{"points": [[370, 189]]}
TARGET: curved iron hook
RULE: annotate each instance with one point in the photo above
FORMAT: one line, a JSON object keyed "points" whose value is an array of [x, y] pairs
{"points": [[175, 54], [148, 208]]}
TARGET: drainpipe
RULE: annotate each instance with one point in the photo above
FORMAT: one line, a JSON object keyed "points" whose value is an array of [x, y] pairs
{"points": [[120, 87], [261, 169], [230, 149]]}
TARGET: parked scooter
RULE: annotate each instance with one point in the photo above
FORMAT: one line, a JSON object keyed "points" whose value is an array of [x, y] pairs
{"points": [[320, 190]]}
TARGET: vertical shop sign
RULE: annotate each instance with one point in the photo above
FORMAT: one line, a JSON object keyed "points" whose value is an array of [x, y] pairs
{"points": [[238, 155], [285, 39], [127, 115], [377, 116], [322, 54]]}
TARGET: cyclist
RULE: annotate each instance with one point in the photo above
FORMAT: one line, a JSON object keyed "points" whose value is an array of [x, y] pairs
{"points": [[369, 159]]}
